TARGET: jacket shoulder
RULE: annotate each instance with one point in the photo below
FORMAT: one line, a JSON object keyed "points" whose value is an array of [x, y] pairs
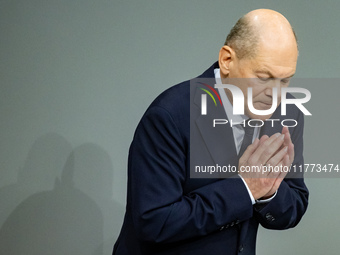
{"points": [[175, 101]]}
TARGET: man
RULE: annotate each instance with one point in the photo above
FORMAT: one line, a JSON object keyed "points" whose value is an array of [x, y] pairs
{"points": [[170, 213]]}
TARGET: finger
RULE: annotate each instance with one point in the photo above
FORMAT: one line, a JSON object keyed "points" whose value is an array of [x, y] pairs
{"points": [[287, 139], [285, 130], [250, 150], [277, 174], [279, 169], [280, 176], [291, 153], [278, 157], [264, 138], [268, 148], [266, 141], [285, 167]]}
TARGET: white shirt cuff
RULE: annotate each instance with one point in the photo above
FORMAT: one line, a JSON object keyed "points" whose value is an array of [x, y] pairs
{"points": [[262, 201], [258, 201]]}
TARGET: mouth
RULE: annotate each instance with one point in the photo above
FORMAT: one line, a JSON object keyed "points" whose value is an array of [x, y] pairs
{"points": [[265, 105]]}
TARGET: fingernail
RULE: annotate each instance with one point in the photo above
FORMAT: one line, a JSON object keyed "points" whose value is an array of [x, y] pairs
{"points": [[285, 148], [277, 134], [282, 137]]}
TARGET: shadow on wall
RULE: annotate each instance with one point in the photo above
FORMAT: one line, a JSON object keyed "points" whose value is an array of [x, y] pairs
{"points": [[59, 211]]}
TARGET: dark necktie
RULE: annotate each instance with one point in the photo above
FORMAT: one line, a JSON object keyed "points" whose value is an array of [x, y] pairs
{"points": [[248, 137]]}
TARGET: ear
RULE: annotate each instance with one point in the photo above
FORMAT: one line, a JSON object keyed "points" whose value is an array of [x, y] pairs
{"points": [[225, 60]]}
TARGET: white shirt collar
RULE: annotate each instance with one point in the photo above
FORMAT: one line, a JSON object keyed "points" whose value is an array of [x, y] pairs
{"points": [[226, 103]]}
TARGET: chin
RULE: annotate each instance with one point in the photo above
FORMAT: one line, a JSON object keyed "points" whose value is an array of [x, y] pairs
{"points": [[259, 117]]}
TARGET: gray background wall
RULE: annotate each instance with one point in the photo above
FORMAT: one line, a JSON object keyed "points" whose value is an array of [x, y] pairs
{"points": [[75, 78]]}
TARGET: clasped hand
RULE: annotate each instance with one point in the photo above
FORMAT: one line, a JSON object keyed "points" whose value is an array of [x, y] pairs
{"points": [[275, 152]]}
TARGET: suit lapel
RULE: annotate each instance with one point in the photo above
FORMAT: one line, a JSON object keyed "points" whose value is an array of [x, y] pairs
{"points": [[219, 140]]}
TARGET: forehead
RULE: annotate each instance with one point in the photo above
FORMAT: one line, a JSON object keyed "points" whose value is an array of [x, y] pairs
{"points": [[279, 59], [278, 63]]}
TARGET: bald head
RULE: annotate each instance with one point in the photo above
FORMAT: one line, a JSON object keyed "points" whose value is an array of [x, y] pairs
{"points": [[260, 28], [262, 47]]}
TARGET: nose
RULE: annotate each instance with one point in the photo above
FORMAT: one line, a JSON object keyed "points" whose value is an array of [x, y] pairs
{"points": [[275, 83], [269, 92]]}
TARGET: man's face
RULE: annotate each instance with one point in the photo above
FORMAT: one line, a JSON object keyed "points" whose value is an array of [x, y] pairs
{"points": [[270, 68]]}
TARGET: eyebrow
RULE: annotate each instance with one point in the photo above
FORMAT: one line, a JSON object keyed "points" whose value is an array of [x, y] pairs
{"points": [[271, 75]]}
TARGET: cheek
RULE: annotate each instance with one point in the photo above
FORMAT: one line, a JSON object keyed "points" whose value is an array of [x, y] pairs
{"points": [[257, 91]]}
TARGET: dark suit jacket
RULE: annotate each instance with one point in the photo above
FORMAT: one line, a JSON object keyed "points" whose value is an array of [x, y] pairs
{"points": [[168, 212]]}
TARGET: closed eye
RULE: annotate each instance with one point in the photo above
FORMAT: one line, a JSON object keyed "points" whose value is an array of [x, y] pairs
{"points": [[265, 78], [285, 81]]}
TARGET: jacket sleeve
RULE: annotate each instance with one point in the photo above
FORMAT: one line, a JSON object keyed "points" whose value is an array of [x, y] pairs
{"points": [[161, 212], [291, 201]]}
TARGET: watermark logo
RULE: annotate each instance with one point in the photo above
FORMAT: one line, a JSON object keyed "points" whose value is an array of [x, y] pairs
{"points": [[204, 97], [238, 99]]}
